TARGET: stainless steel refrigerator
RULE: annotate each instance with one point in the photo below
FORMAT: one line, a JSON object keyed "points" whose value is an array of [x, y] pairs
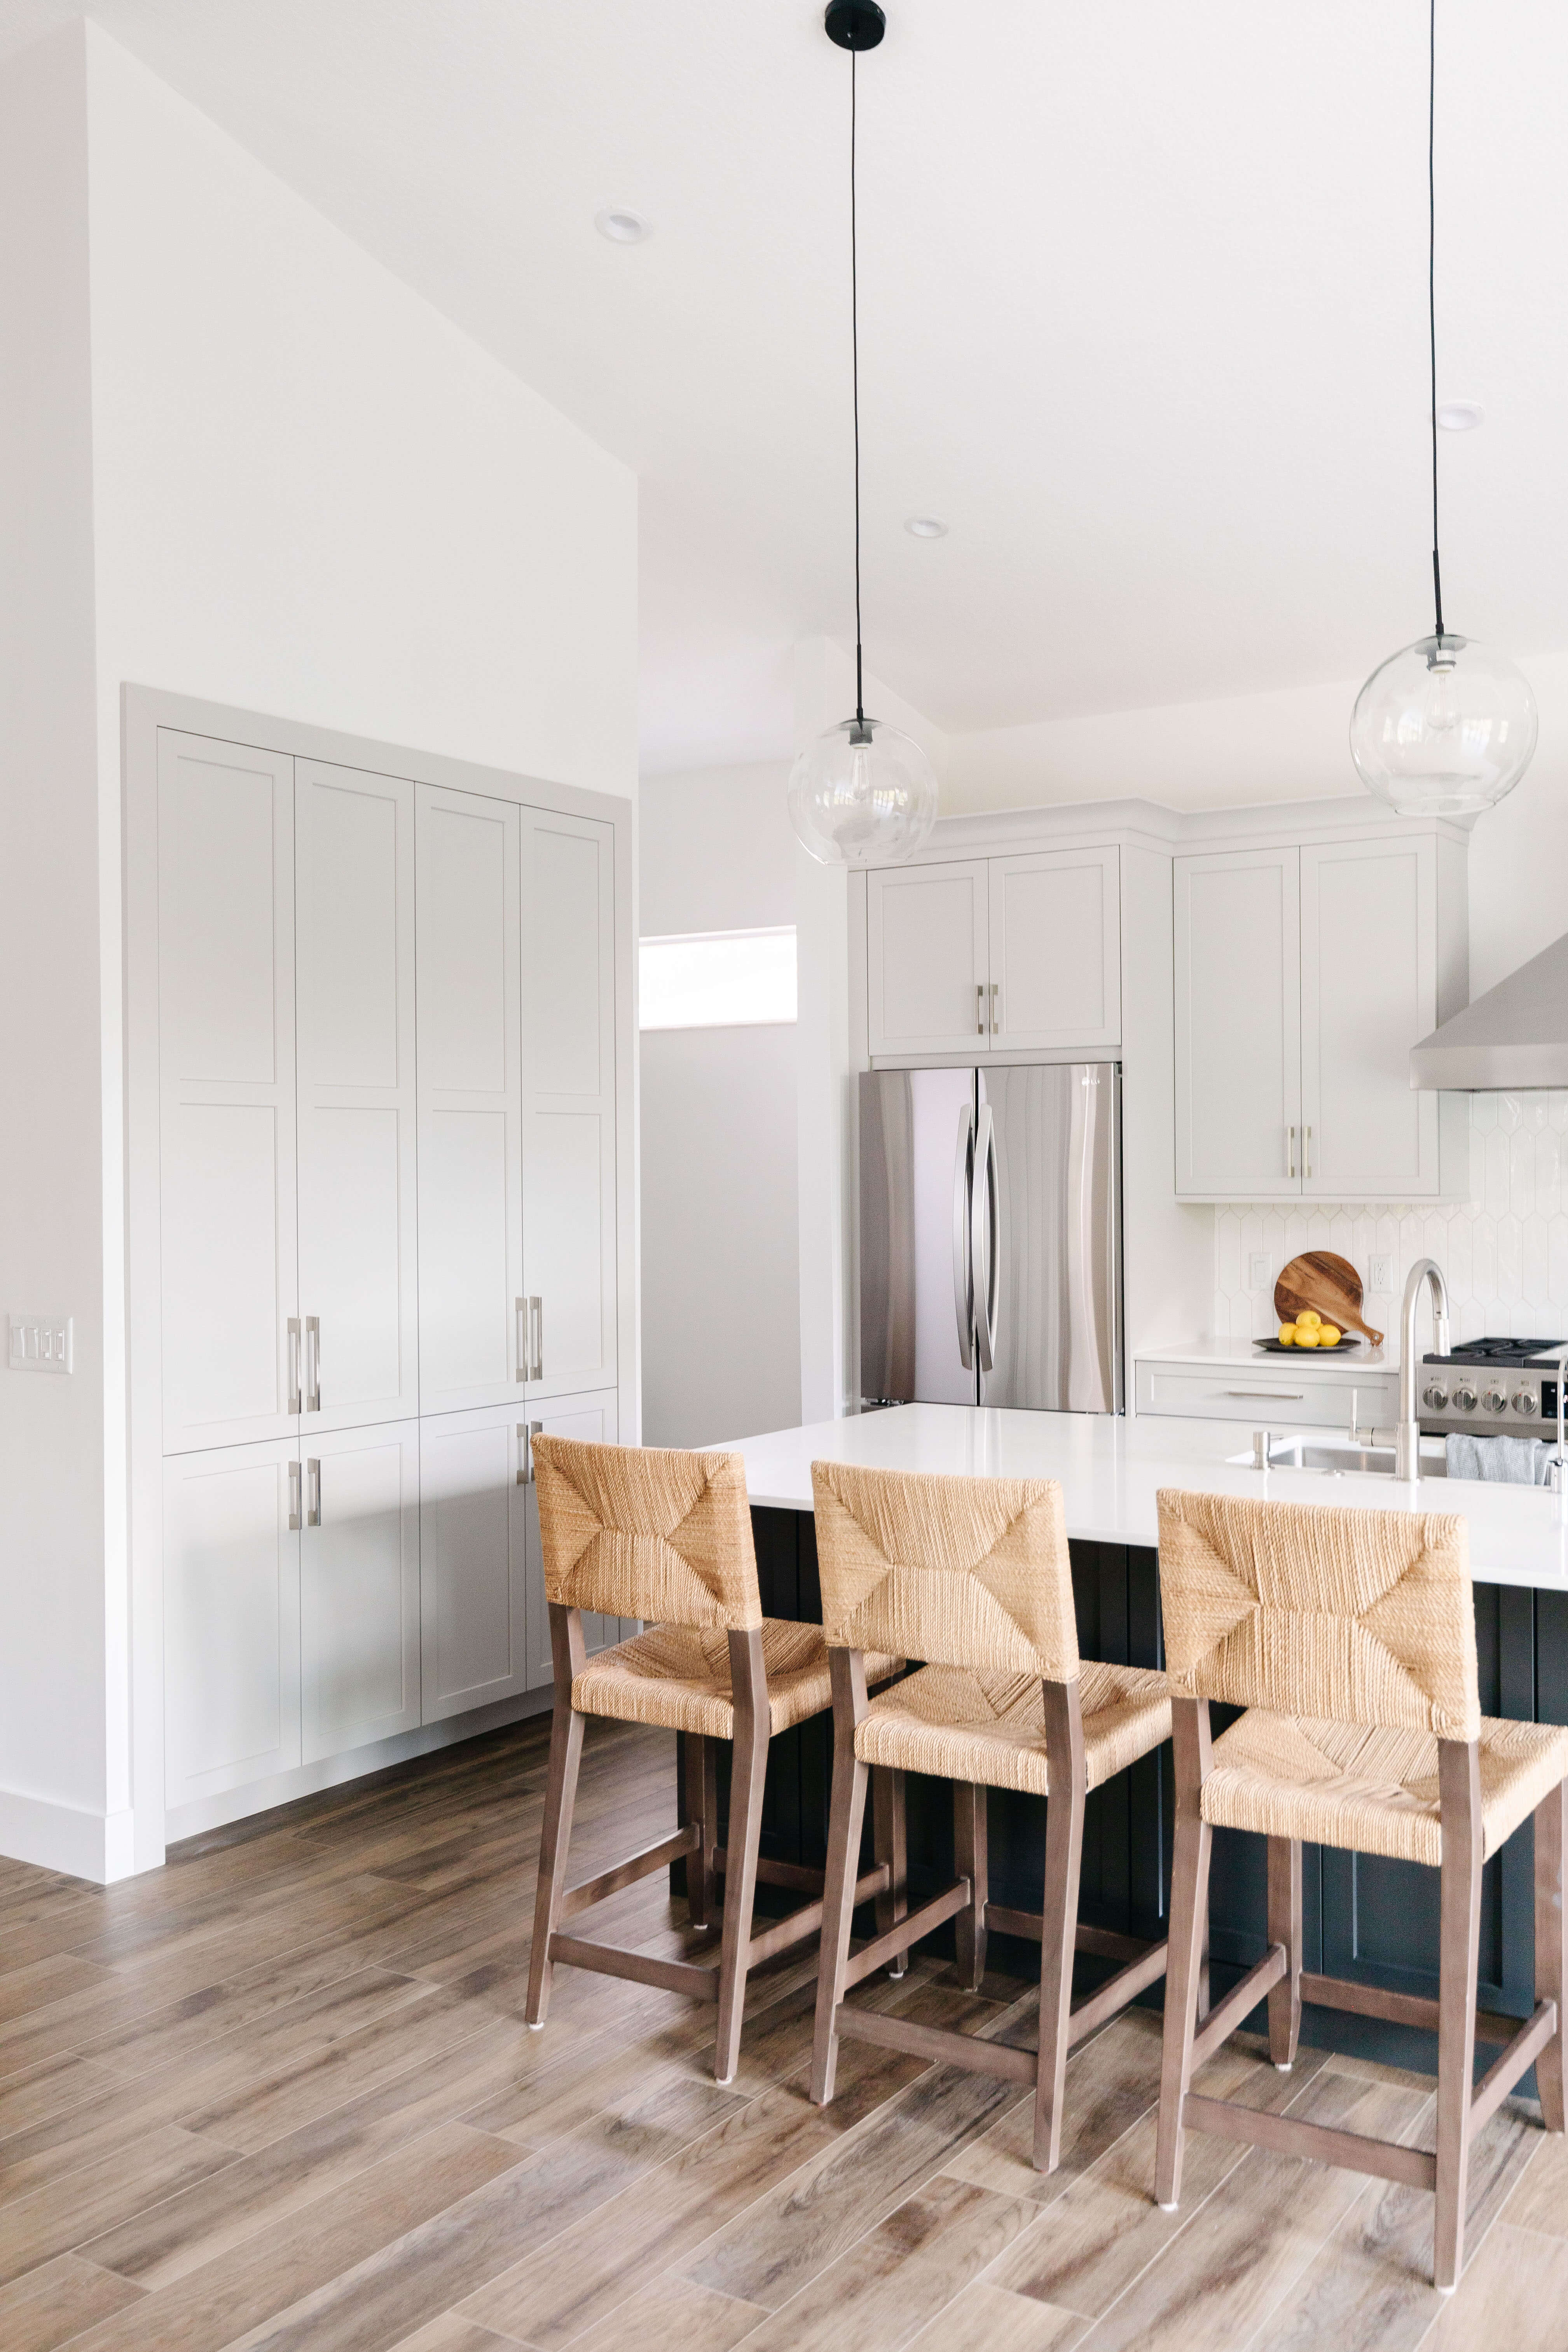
{"points": [[991, 1237]]}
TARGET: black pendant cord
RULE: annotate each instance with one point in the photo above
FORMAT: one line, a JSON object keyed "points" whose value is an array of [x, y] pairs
{"points": [[1431, 286], [855, 373]]}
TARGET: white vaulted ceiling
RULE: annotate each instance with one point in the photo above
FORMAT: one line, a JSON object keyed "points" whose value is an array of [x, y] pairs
{"points": [[1142, 314]]}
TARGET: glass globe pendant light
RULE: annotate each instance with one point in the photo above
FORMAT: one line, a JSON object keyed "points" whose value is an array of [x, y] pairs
{"points": [[864, 793], [1447, 727]]}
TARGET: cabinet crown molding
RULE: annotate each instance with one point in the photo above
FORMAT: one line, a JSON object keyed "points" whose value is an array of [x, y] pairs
{"points": [[992, 833]]}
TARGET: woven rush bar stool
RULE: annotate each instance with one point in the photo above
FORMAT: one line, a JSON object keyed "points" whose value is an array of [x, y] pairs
{"points": [[973, 1576], [1350, 1638], [668, 1536]]}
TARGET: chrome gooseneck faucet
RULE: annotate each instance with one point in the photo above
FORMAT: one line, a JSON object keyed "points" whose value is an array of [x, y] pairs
{"points": [[1407, 1437]]}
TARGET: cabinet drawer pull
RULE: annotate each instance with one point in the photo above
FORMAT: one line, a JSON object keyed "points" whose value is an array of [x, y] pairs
{"points": [[1286, 1396]]}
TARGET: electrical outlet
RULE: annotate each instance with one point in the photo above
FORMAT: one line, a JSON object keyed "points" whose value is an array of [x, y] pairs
{"points": [[1257, 1277], [1380, 1273], [40, 1343]]}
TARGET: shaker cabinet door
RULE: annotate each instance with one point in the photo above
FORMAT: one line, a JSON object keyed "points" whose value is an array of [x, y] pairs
{"points": [[568, 1103], [1238, 1024], [227, 1112], [592, 1419], [473, 1517], [359, 1587], [1369, 993], [231, 1618], [928, 959], [469, 1086], [354, 983], [1056, 951]]}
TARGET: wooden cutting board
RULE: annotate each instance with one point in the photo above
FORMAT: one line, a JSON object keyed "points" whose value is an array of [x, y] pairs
{"points": [[1328, 1283]]}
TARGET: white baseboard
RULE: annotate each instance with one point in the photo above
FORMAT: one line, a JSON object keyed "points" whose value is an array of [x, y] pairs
{"points": [[305, 1779], [53, 1836]]}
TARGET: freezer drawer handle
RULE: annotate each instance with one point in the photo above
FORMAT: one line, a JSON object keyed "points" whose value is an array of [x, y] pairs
{"points": [[962, 1273]]}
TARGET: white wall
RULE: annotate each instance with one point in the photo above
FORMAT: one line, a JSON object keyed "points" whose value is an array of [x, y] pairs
{"points": [[52, 1492], [241, 461], [721, 1266]]}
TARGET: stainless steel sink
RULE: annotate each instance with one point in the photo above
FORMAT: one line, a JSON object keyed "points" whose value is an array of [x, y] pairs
{"points": [[1342, 1458]]}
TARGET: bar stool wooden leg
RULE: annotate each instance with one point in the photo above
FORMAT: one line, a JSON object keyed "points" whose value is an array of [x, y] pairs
{"points": [[569, 1656], [1550, 1817], [1058, 1934], [971, 1860], [748, 1689], [891, 1844], [1459, 1788], [847, 1814], [1285, 1927], [702, 1808], [1188, 1939]]}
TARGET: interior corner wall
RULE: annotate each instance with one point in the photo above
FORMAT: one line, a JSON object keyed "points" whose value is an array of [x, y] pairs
{"points": [[54, 1778]]}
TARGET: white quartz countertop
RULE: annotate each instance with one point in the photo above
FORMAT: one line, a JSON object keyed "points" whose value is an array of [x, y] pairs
{"points": [[1210, 1354], [1111, 1470]]}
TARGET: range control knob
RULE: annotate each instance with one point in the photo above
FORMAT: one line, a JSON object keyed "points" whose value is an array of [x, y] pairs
{"points": [[1496, 1399], [1526, 1402], [1435, 1395], [1463, 1398]]}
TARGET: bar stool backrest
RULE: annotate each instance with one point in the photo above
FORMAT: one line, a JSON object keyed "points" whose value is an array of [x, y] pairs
{"points": [[1347, 1616], [959, 1571], [637, 1531]]}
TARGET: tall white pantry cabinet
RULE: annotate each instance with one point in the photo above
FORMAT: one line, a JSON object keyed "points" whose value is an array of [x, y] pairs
{"points": [[378, 1021]]}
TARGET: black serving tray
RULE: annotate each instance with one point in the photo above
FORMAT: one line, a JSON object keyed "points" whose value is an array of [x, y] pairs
{"points": [[1278, 1347]]}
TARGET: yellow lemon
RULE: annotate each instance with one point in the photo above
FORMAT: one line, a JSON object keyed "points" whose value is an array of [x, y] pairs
{"points": [[1327, 1335], [1309, 1316], [1287, 1335], [1307, 1335]]}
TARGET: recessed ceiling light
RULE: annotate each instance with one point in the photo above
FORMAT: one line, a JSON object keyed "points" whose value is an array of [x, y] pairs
{"points": [[622, 227], [1460, 416], [925, 527]]}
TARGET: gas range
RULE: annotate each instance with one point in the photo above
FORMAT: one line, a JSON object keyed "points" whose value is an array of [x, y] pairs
{"points": [[1489, 1384]]}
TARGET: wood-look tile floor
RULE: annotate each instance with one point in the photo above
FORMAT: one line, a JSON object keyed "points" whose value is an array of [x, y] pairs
{"points": [[279, 2094]]}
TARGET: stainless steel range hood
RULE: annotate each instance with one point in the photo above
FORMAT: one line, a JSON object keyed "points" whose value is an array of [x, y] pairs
{"points": [[1516, 1035]]}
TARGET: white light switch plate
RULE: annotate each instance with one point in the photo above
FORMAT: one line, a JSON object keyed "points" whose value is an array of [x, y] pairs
{"points": [[40, 1343], [1259, 1278], [1381, 1271]]}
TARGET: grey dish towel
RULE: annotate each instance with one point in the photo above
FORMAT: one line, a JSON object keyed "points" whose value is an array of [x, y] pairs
{"points": [[1514, 1461]]}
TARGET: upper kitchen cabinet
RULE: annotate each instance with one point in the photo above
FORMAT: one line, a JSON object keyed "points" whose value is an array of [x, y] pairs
{"points": [[929, 957], [353, 863], [1056, 951], [568, 1103], [997, 955], [231, 1338], [1303, 978], [286, 1048], [472, 1346], [1238, 1024]]}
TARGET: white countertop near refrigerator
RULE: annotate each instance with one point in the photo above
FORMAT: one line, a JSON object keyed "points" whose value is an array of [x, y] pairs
{"points": [[1112, 1469]]}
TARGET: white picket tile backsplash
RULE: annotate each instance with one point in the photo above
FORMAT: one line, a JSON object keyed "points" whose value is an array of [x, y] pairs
{"points": [[1504, 1251]]}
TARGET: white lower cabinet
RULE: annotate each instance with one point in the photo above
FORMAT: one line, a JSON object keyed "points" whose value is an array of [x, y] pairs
{"points": [[231, 1618], [359, 1588], [485, 1626]]}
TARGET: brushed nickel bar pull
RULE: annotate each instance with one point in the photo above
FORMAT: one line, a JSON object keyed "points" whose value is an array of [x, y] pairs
{"points": [[313, 1506], [294, 1398], [996, 1008], [1307, 1153], [293, 1496], [536, 1338], [313, 1363], [1290, 1152], [520, 1334], [527, 1431], [980, 1008], [1286, 1396]]}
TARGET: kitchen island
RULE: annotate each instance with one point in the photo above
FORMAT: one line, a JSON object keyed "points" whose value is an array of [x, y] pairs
{"points": [[1365, 1917]]}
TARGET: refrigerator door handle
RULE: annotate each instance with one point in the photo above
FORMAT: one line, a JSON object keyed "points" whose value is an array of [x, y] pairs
{"points": [[963, 1272], [984, 1249]]}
